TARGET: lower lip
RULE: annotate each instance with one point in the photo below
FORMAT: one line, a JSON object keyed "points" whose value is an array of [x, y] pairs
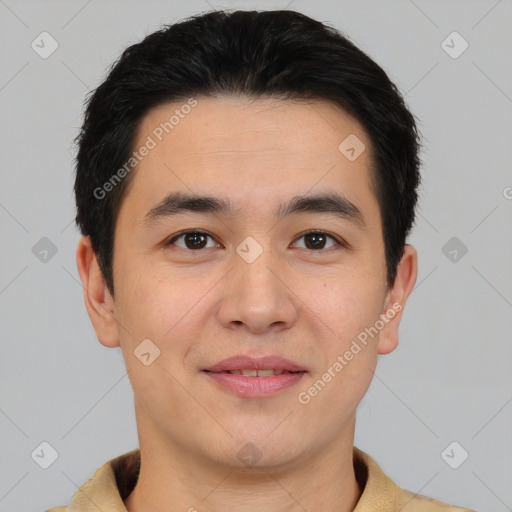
{"points": [[255, 386]]}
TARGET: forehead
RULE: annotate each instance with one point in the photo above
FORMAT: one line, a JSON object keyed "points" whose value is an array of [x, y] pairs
{"points": [[252, 150], [251, 124]]}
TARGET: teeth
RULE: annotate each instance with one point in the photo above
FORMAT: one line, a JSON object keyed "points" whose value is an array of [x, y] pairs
{"points": [[257, 373], [266, 373]]}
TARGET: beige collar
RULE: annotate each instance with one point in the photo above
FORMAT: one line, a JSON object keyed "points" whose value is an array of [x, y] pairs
{"points": [[103, 493]]}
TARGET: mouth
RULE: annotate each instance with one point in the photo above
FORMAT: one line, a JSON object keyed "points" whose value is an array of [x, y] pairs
{"points": [[247, 365], [255, 373], [252, 378]]}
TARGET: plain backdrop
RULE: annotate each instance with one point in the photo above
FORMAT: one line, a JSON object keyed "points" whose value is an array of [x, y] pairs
{"points": [[448, 382]]}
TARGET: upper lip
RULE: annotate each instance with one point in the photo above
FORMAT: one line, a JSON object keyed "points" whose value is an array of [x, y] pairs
{"points": [[243, 362]]}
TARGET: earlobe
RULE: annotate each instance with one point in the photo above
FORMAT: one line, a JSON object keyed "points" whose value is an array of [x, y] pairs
{"points": [[97, 298], [396, 298]]}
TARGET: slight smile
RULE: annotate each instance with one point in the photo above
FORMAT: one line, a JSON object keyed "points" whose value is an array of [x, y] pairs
{"points": [[255, 377]]}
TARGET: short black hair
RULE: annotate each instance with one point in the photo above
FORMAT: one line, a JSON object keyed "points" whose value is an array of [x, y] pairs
{"points": [[281, 54]]}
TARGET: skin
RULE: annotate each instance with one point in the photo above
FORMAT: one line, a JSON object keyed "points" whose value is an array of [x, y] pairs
{"points": [[305, 304]]}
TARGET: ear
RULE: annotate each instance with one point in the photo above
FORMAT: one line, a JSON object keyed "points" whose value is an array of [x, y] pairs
{"points": [[98, 301], [396, 298]]}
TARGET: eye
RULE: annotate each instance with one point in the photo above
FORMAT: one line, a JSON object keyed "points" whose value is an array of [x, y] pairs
{"points": [[317, 239], [195, 240], [192, 240]]}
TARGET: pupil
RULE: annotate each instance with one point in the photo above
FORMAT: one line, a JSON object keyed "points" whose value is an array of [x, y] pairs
{"points": [[319, 239], [195, 238]]}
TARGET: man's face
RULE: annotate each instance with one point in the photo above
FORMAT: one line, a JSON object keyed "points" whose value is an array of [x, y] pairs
{"points": [[251, 283]]}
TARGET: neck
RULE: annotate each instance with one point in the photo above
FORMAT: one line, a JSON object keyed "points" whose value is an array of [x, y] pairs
{"points": [[173, 479]]}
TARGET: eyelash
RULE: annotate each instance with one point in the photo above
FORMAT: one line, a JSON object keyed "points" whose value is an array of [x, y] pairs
{"points": [[338, 242]]}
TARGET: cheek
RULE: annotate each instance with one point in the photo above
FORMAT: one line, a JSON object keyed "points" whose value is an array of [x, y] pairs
{"points": [[348, 353], [346, 305], [166, 307], [146, 306], [155, 308]]}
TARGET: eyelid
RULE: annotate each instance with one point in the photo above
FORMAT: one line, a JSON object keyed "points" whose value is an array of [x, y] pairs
{"points": [[173, 238], [337, 239]]}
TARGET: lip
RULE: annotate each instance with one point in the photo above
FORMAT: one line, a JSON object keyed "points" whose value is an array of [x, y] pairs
{"points": [[242, 362], [254, 387]]}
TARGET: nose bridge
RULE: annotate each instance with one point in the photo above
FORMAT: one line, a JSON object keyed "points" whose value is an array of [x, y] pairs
{"points": [[253, 263], [257, 297]]}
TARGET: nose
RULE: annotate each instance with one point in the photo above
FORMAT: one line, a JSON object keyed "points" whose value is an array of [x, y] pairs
{"points": [[257, 296]]}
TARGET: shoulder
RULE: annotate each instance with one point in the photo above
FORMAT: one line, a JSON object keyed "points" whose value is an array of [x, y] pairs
{"points": [[108, 487], [381, 493], [407, 501]]}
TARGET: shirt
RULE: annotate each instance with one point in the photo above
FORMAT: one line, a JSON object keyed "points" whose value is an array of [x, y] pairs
{"points": [[114, 481]]}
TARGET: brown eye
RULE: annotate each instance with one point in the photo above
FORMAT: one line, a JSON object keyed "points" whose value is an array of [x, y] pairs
{"points": [[317, 240], [192, 240]]}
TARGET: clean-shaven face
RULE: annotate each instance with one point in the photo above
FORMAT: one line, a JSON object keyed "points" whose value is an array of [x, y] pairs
{"points": [[247, 307]]}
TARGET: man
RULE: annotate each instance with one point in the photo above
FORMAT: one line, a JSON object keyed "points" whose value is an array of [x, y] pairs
{"points": [[245, 185]]}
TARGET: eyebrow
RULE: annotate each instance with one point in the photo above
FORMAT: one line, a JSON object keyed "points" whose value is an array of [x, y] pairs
{"points": [[179, 202]]}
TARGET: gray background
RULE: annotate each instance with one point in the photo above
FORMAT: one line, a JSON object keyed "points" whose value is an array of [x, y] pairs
{"points": [[450, 378]]}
